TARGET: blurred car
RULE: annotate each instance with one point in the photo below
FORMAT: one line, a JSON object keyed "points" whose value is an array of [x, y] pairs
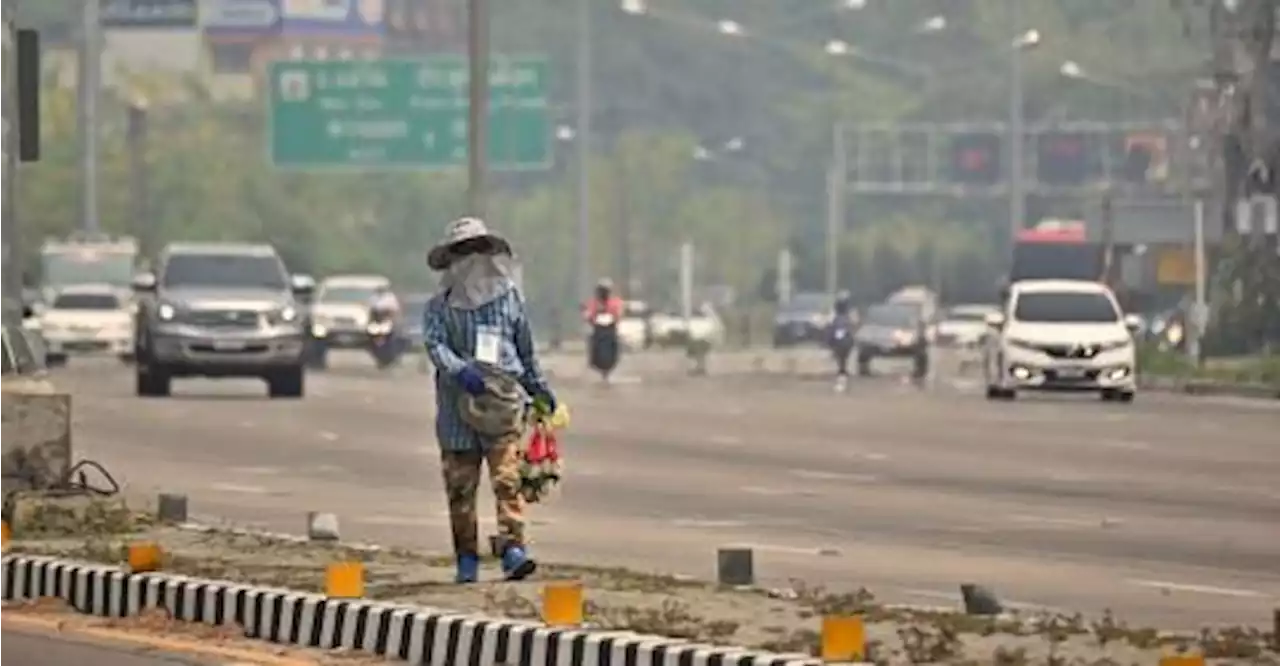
{"points": [[963, 326], [414, 306], [803, 319], [635, 330], [340, 311], [672, 330], [891, 330], [90, 319]]}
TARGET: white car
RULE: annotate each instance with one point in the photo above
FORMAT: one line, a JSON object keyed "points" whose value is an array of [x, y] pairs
{"points": [[964, 326], [1061, 335], [340, 312], [87, 320]]}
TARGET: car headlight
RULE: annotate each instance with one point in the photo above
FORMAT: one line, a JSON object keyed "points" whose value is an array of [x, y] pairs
{"points": [[319, 330], [166, 312], [904, 337], [285, 315]]}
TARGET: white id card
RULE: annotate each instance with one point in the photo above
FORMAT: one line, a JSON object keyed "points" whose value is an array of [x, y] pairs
{"points": [[488, 344]]}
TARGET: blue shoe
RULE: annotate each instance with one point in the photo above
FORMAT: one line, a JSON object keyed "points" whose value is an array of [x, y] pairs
{"points": [[516, 563], [468, 569]]}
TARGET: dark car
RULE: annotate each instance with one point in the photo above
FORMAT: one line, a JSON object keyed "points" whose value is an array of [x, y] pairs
{"points": [[892, 330], [802, 320], [221, 310]]}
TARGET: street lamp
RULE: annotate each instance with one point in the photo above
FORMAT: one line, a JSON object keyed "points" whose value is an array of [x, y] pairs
{"points": [[1072, 70], [727, 27]]}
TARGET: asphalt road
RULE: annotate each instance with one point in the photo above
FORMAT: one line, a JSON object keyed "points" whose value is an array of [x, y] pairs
{"points": [[1164, 510], [38, 649]]}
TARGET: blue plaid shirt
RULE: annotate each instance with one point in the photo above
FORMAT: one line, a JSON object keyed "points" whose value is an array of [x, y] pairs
{"points": [[450, 337]]}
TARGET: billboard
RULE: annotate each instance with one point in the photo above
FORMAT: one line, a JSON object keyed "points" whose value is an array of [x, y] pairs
{"points": [[148, 13], [239, 18], [342, 19]]}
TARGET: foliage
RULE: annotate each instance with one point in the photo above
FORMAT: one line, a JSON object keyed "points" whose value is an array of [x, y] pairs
{"points": [[663, 87]]}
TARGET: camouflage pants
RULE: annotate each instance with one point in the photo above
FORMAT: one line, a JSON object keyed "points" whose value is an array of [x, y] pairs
{"points": [[462, 480]]}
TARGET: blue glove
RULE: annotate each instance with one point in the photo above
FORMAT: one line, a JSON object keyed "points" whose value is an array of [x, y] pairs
{"points": [[471, 380]]}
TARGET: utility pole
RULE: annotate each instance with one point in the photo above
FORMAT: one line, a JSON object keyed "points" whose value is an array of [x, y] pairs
{"points": [[583, 243], [1017, 129], [837, 174], [90, 84], [478, 109], [136, 138]]}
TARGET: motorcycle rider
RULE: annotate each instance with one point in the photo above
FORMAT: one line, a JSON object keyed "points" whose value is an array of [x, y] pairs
{"points": [[603, 314], [840, 336]]}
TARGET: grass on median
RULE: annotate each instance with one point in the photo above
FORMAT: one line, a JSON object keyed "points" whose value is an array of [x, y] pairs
{"points": [[1261, 369], [783, 620]]}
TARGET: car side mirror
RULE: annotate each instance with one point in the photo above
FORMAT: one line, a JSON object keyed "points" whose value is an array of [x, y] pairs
{"points": [[994, 319], [144, 281], [1133, 323], [302, 285]]}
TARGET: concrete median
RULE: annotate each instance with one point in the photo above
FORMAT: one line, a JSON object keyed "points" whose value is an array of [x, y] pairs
{"points": [[37, 434]]}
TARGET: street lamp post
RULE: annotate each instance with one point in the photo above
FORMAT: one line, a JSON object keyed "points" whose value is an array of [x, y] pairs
{"points": [[1017, 129], [583, 242]]}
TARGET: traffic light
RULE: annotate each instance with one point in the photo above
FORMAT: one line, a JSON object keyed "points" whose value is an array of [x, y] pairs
{"points": [[1145, 158], [976, 159], [1063, 159]]}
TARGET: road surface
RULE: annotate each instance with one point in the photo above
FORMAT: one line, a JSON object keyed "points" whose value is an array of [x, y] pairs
{"points": [[23, 648], [1163, 510]]}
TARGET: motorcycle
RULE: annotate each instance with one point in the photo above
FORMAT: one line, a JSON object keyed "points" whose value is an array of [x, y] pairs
{"points": [[603, 347], [383, 344], [842, 345]]}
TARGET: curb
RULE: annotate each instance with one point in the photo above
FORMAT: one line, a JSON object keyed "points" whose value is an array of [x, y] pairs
{"points": [[417, 634]]}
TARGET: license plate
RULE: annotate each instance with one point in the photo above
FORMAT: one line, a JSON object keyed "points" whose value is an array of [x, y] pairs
{"points": [[228, 345], [1071, 373]]}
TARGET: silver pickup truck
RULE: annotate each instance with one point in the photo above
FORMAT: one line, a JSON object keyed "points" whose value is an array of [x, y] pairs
{"points": [[221, 310]]}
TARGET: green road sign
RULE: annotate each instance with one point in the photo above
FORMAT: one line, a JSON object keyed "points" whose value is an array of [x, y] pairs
{"points": [[404, 113]]}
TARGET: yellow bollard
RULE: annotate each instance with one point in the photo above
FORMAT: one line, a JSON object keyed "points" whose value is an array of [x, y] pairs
{"points": [[144, 556], [562, 604], [844, 638], [344, 580], [1182, 660]]}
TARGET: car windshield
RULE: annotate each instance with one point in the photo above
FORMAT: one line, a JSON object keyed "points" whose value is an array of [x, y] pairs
{"points": [[87, 265], [807, 304], [86, 302], [1065, 307], [901, 316], [346, 294], [224, 270]]}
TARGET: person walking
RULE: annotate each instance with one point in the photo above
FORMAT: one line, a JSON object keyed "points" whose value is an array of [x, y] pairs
{"points": [[478, 336]]}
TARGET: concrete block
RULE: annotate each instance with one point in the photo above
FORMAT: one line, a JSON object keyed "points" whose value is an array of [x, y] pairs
{"points": [[36, 437], [979, 600], [735, 567], [322, 526], [172, 508]]}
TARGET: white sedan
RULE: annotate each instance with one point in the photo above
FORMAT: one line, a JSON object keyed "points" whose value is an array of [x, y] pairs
{"points": [[87, 320]]}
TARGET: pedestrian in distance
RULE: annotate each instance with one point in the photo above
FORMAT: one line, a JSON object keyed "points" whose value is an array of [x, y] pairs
{"points": [[478, 336]]}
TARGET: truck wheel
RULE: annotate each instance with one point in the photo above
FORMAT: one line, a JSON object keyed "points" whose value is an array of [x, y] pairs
{"points": [[152, 381], [287, 383]]}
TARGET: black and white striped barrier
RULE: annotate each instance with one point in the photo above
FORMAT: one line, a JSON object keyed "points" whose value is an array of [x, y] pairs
{"points": [[416, 634]]}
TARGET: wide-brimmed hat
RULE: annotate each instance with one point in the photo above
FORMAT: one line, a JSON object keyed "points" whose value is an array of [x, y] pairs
{"points": [[460, 230]]}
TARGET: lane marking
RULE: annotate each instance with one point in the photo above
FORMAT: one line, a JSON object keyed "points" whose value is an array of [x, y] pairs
{"points": [[1063, 522], [1198, 589], [402, 521], [238, 488], [710, 524], [256, 471], [820, 475], [328, 436], [769, 492], [726, 440], [777, 548]]}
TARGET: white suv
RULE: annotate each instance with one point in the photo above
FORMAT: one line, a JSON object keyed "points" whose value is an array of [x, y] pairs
{"points": [[1061, 335]]}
